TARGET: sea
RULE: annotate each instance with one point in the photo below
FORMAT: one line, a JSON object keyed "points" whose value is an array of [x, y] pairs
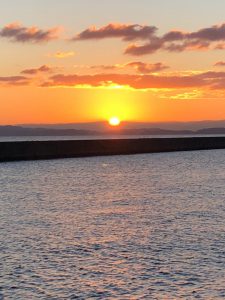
{"points": [[96, 137], [118, 227]]}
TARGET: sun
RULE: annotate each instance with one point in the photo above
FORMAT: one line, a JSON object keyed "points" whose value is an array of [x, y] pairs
{"points": [[114, 121]]}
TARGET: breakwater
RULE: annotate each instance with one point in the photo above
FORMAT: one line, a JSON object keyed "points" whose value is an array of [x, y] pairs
{"points": [[36, 150]]}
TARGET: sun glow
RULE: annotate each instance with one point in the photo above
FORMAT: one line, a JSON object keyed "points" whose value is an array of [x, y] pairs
{"points": [[114, 121]]}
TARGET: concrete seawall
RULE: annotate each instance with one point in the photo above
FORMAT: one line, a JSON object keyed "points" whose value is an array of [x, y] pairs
{"points": [[36, 150]]}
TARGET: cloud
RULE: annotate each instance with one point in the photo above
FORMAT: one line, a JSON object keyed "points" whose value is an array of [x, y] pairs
{"points": [[106, 67], [14, 80], [138, 66], [150, 48], [125, 32], [18, 33], [145, 68], [60, 54], [42, 69], [173, 41], [210, 80], [188, 46], [220, 46], [214, 33], [215, 80], [220, 64], [178, 41], [207, 80]]}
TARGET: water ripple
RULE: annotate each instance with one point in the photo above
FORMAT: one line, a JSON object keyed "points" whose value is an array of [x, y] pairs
{"points": [[126, 227]]}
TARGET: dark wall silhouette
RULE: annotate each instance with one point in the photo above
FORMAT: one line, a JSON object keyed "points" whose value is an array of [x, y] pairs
{"points": [[33, 150]]}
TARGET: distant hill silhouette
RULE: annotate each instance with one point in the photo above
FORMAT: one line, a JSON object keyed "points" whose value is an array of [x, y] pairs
{"points": [[24, 131], [103, 125], [28, 131]]}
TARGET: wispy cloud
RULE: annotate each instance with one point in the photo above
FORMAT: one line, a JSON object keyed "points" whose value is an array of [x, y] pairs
{"points": [[220, 64], [17, 33], [61, 54], [146, 68], [14, 80], [138, 66], [35, 71]]}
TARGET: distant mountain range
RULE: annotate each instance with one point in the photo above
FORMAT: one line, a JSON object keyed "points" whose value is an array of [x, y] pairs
{"points": [[103, 126], [39, 131]]}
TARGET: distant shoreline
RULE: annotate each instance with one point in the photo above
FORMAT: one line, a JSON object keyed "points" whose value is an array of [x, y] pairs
{"points": [[40, 150]]}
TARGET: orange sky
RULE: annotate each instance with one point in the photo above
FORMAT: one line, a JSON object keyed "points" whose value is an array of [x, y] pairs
{"points": [[108, 64]]}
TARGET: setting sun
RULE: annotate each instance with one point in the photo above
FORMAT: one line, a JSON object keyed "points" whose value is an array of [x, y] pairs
{"points": [[114, 121]]}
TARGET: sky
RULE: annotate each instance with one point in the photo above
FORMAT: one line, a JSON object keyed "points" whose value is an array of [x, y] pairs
{"points": [[78, 61]]}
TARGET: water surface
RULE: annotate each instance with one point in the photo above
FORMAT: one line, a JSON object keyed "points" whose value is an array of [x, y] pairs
{"points": [[99, 137], [123, 227]]}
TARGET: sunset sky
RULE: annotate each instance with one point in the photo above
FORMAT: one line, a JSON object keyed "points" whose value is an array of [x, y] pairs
{"points": [[88, 60]]}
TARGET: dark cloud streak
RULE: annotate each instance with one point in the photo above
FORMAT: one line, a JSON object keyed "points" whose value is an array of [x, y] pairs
{"points": [[123, 31], [14, 80], [18, 33], [220, 64], [172, 41], [42, 69], [138, 66]]}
